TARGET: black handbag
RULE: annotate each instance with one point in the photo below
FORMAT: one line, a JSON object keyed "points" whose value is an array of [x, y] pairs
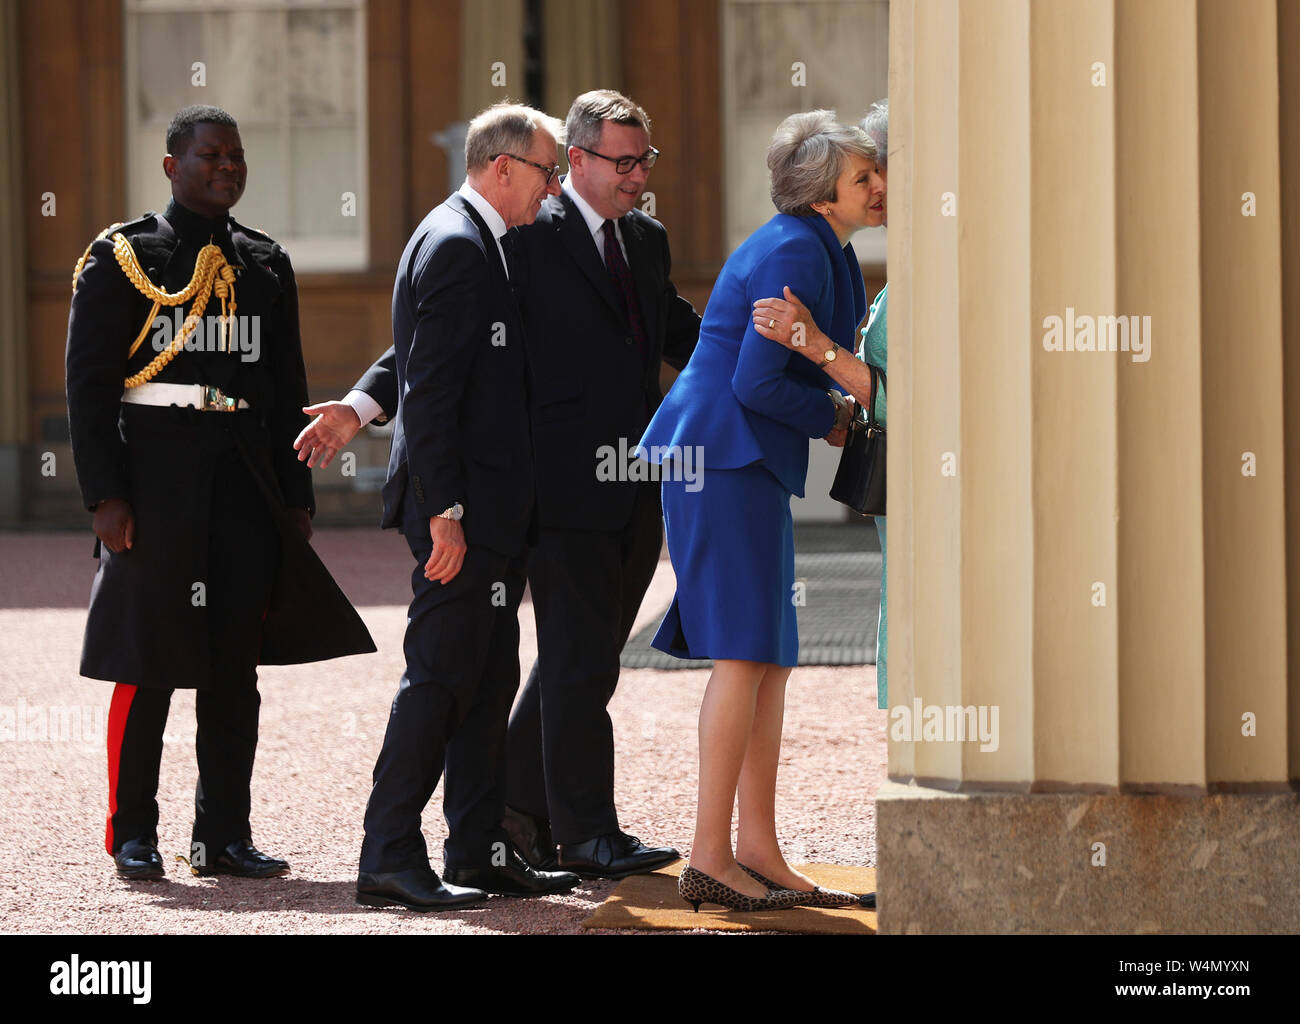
{"points": [[860, 479]]}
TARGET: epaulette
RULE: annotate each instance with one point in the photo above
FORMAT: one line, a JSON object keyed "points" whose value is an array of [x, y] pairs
{"points": [[256, 233], [146, 220], [124, 227]]}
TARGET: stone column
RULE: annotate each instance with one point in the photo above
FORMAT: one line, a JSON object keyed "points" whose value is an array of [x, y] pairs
{"points": [[492, 55], [1094, 723], [581, 40]]}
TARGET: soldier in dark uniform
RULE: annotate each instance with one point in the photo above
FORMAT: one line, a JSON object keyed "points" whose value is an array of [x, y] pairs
{"points": [[182, 433]]}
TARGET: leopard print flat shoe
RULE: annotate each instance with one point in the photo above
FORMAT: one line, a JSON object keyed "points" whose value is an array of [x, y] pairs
{"points": [[819, 897], [695, 887]]}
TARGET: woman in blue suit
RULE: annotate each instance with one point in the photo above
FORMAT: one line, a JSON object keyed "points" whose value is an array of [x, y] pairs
{"points": [[746, 407], [776, 319]]}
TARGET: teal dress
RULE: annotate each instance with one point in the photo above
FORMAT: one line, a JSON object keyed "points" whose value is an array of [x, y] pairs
{"points": [[874, 351]]}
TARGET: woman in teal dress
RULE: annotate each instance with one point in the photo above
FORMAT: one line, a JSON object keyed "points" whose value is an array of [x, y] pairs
{"points": [[775, 319]]}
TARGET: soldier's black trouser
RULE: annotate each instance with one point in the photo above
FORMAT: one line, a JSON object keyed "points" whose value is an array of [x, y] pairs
{"points": [[242, 555], [225, 744]]}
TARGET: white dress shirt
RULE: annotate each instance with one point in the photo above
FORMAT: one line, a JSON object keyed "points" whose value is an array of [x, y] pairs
{"points": [[495, 222], [595, 222]]}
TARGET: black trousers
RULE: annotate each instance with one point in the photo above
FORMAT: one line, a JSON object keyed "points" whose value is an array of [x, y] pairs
{"points": [[241, 559], [450, 712], [587, 587], [225, 744]]}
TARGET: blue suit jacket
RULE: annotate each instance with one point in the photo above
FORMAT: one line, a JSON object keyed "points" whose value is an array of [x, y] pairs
{"points": [[745, 399]]}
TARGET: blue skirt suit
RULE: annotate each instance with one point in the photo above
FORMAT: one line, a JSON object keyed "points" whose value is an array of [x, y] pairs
{"points": [[747, 407]]}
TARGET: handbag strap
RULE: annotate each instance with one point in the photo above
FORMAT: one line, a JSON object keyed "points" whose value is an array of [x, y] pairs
{"points": [[869, 417]]}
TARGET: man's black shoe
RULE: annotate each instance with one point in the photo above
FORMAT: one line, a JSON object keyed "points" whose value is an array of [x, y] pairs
{"points": [[615, 855], [416, 889], [514, 878], [531, 837], [241, 859], [139, 859], [868, 900]]}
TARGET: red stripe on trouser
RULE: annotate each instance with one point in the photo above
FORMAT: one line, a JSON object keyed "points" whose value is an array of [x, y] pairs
{"points": [[118, 712]]}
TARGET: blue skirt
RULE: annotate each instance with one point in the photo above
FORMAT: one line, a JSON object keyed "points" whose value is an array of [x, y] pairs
{"points": [[732, 546]]}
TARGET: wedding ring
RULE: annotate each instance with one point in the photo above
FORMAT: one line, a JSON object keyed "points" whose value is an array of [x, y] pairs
{"points": [[771, 324]]}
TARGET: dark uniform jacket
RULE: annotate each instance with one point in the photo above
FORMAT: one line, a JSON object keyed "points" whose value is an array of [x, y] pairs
{"points": [[143, 626], [592, 388]]}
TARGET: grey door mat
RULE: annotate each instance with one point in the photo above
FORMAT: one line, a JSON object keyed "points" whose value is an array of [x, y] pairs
{"points": [[839, 565]]}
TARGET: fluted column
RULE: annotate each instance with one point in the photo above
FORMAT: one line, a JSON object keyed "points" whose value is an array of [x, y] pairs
{"points": [[1241, 398], [582, 43], [1089, 413], [492, 54]]}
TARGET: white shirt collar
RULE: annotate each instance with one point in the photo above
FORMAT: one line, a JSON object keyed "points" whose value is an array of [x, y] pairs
{"points": [[595, 222], [495, 222]]}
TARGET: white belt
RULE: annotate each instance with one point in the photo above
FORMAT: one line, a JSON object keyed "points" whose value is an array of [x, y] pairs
{"points": [[191, 396]]}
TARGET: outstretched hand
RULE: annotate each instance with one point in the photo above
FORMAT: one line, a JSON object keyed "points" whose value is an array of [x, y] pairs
{"points": [[336, 424]]}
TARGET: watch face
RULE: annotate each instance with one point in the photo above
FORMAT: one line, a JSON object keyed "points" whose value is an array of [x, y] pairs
{"points": [[830, 356]]}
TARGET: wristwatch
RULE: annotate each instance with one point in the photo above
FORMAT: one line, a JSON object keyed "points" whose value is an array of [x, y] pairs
{"points": [[454, 513], [829, 357]]}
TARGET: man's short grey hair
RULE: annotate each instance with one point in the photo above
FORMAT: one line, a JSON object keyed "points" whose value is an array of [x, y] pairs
{"points": [[583, 125], [876, 124], [807, 156], [505, 128]]}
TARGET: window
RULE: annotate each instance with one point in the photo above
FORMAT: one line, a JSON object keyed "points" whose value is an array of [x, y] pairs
{"points": [[781, 57], [292, 73]]}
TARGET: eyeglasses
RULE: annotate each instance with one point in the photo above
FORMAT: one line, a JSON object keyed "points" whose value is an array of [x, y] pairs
{"points": [[623, 164], [550, 172]]}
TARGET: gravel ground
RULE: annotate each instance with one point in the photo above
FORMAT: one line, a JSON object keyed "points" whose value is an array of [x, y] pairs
{"points": [[321, 727]]}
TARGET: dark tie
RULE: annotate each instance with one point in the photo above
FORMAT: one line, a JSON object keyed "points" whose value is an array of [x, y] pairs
{"points": [[618, 270]]}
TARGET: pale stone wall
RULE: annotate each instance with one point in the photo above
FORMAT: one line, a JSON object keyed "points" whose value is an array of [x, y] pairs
{"points": [[1092, 544]]}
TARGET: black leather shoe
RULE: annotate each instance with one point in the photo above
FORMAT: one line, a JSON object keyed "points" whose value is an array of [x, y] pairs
{"points": [[139, 859], [243, 860], [531, 837], [417, 889], [616, 855], [514, 878], [868, 900]]}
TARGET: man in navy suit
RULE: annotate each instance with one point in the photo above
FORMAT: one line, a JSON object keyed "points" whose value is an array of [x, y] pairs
{"points": [[461, 489], [602, 314]]}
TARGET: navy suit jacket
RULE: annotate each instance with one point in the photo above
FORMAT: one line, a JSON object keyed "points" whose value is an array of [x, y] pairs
{"points": [[745, 399], [591, 386], [462, 432]]}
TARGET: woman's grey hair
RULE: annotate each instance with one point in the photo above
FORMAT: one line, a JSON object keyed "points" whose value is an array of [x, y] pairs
{"points": [[506, 128], [807, 156], [876, 124], [592, 109]]}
